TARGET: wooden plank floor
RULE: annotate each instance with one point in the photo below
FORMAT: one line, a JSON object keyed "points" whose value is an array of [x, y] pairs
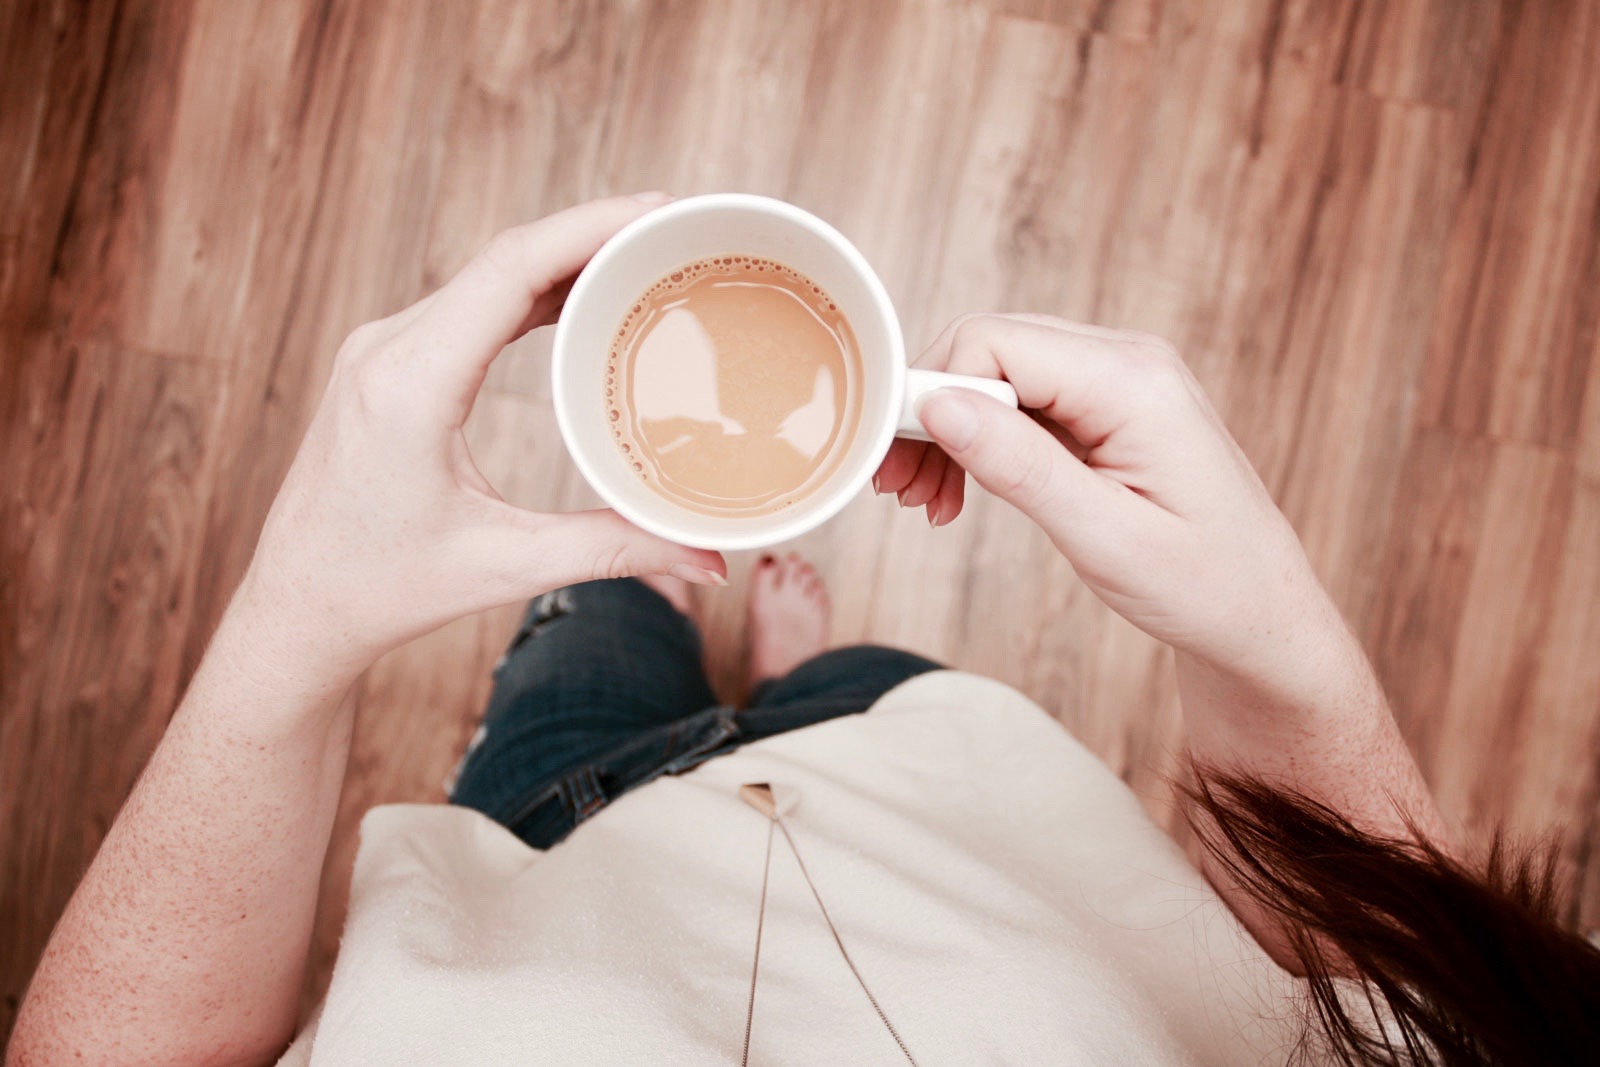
{"points": [[1374, 228]]}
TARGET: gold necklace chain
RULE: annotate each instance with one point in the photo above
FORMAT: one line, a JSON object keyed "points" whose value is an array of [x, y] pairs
{"points": [[759, 796]]}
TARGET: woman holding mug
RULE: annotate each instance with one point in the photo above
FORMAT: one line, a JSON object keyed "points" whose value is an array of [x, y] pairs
{"points": [[877, 861]]}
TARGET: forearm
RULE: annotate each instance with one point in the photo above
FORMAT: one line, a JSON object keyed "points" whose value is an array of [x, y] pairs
{"points": [[1306, 716], [1307, 713], [186, 940]]}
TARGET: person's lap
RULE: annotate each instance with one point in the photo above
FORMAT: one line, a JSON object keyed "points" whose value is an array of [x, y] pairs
{"points": [[602, 689]]}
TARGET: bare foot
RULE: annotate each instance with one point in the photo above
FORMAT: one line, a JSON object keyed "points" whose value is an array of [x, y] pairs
{"points": [[676, 590], [788, 616]]}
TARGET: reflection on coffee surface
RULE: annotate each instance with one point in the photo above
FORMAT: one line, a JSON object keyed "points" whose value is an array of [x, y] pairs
{"points": [[733, 386]]}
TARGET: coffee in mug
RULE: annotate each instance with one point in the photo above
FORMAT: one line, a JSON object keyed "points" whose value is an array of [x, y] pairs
{"points": [[755, 366], [733, 386]]}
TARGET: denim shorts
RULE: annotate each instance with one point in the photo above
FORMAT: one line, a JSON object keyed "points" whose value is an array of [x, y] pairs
{"points": [[602, 690]]}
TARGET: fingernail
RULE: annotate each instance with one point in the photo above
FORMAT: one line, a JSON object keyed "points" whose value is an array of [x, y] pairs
{"points": [[654, 197], [696, 575], [876, 488], [950, 418], [933, 516]]}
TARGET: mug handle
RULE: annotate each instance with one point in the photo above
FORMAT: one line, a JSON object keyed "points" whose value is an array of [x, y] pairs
{"points": [[920, 382]]}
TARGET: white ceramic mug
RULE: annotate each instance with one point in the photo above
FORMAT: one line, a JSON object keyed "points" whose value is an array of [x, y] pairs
{"points": [[653, 246]]}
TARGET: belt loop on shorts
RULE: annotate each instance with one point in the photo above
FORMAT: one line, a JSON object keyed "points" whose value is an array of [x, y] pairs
{"points": [[583, 794], [709, 734]]}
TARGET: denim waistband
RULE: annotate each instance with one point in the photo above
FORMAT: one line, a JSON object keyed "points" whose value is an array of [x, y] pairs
{"points": [[674, 748]]}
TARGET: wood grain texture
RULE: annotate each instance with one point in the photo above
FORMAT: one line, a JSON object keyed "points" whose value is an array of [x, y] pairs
{"points": [[1511, 351], [1374, 230], [53, 74]]}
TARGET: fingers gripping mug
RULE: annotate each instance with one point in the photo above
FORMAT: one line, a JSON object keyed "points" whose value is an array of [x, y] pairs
{"points": [[728, 372]]}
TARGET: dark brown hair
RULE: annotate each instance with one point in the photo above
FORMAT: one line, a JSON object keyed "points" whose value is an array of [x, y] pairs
{"points": [[1466, 963]]}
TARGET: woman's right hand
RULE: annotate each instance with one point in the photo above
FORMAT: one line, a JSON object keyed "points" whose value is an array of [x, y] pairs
{"points": [[1121, 459]]}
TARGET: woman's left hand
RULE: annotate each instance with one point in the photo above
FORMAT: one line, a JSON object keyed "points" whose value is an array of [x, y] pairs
{"points": [[384, 528]]}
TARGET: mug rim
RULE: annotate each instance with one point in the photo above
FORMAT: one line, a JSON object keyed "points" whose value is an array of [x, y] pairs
{"points": [[826, 505]]}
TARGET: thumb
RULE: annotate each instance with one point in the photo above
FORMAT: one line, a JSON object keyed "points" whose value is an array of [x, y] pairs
{"points": [[586, 545], [1011, 456]]}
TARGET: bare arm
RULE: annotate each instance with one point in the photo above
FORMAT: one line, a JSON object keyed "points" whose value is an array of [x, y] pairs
{"points": [[186, 941], [1313, 719], [1127, 467]]}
